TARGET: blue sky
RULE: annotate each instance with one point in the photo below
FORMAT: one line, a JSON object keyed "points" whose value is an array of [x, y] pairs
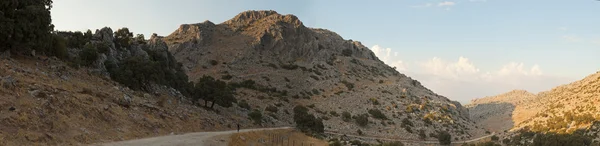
{"points": [[462, 49]]}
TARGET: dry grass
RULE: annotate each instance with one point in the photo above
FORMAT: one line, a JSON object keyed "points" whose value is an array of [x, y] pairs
{"points": [[282, 137]]}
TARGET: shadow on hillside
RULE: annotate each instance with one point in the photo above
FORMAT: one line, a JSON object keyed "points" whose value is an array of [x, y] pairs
{"points": [[494, 117]]}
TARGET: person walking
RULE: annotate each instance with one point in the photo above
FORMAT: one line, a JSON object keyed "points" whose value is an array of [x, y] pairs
{"points": [[238, 126]]}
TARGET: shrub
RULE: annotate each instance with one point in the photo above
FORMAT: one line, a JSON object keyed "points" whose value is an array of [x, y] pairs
{"points": [[346, 116], [255, 116], [349, 85], [376, 113], [88, 55], [444, 138], [244, 104], [226, 77], [271, 108], [123, 38], [214, 62], [374, 101], [359, 132], [362, 120], [306, 122], [59, 47], [289, 66], [495, 138], [333, 113]]}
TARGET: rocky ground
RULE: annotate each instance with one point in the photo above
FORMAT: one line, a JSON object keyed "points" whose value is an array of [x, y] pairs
{"points": [[46, 102]]}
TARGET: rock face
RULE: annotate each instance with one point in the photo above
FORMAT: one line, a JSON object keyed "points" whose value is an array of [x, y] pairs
{"points": [[297, 65], [562, 109]]}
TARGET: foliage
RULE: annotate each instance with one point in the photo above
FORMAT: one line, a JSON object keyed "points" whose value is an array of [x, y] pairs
{"points": [[346, 116], [362, 120], [307, 122], [255, 116], [349, 85], [215, 91], [59, 47], [123, 38], [495, 138], [244, 104], [88, 55], [376, 113], [26, 25], [395, 143], [444, 138]]}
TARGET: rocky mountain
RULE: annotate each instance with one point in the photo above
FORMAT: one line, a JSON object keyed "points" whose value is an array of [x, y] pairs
{"points": [[564, 109], [339, 80]]}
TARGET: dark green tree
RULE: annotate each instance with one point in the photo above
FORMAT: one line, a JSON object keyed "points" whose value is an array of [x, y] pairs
{"points": [[307, 122], [26, 25], [123, 38], [444, 138]]}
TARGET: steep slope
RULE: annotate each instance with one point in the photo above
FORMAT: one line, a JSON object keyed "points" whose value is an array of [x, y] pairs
{"points": [[45, 102], [496, 113], [292, 64], [563, 109]]}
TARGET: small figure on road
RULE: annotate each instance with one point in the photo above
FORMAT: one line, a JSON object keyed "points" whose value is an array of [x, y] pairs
{"points": [[238, 125]]}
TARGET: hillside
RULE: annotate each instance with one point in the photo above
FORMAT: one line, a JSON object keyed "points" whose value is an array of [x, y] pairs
{"points": [[339, 80], [564, 109], [46, 102]]}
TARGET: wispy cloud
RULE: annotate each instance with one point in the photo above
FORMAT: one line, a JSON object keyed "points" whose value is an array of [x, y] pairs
{"points": [[563, 28], [446, 4], [426, 5], [572, 38]]}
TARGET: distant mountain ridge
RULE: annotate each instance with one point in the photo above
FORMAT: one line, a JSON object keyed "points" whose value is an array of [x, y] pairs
{"points": [[563, 109]]}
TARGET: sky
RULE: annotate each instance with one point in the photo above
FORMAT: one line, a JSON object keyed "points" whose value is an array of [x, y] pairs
{"points": [[462, 49]]}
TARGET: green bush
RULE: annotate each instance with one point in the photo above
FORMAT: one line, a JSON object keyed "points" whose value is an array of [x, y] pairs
{"points": [[444, 138], [346, 116], [88, 55], [123, 38], [25, 25], [362, 120], [255, 116], [376, 113], [215, 91], [59, 47], [495, 138], [244, 104], [306, 122]]}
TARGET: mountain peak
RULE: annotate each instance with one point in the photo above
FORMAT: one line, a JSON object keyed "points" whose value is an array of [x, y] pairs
{"points": [[249, 17]]}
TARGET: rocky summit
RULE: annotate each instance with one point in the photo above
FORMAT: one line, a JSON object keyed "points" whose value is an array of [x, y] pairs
{"points": [[337, 79]]}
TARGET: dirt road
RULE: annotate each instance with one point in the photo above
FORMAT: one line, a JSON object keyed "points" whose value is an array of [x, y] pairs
{"points": [[191, 139]]}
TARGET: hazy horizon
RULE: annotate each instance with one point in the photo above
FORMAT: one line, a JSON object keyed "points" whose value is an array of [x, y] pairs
{"points": [[462, 49]]}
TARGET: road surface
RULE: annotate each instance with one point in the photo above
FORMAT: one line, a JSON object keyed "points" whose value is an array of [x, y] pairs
{"points": [[190, 139]]}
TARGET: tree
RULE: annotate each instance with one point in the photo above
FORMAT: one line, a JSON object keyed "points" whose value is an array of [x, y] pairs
{"points": [[26, 25], [307, 122], [123, 38], [139, 38], [215, 91], [444, 138]]}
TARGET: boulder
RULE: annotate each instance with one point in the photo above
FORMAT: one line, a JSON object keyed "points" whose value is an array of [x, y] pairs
{"points": [[9, 82]]}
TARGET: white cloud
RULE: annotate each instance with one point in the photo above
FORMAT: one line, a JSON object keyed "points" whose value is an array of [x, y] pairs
{"points": [[423, 5], [446, 4], [572, 38], [462, 80], [563, 28], [384, 54]]}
